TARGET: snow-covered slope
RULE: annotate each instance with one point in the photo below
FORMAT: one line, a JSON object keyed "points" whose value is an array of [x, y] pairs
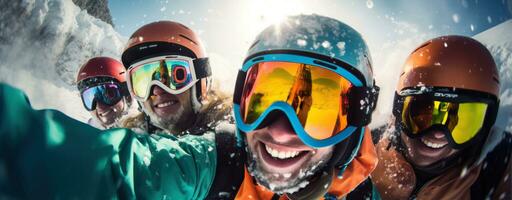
{"points": [[42, 45], [499, 43]]}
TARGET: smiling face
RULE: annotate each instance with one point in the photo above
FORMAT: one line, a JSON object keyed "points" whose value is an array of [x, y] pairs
{"points": [[427, 149], [168, 111], [108, 115], [279, 160]]}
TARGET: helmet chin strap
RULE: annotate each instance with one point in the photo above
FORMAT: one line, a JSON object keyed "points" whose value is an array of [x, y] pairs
{"points": [[196, 104]]}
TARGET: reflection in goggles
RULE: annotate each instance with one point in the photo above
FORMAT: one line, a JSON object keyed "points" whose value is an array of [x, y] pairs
{"points": [[174, 74], [317, 95], [463, 120]]}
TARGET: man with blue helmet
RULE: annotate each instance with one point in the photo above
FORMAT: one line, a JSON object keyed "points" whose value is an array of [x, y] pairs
{"points": [[302, 101]]}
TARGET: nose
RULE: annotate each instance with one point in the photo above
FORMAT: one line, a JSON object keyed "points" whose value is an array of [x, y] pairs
{"points": [[158, 91], [281, 130]]}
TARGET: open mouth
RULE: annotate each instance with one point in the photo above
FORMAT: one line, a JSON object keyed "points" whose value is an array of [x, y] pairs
{"points": [[166, 104], [282, 159], [433, 144]]}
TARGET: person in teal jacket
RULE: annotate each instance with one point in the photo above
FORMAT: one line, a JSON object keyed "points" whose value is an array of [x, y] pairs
{"points": [[301, 115]]}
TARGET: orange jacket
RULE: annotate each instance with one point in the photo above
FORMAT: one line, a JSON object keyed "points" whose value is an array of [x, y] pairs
{"points": [[357, 171]]}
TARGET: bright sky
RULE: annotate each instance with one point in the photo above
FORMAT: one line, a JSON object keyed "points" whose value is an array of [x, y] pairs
{"points": [[392, 29]]}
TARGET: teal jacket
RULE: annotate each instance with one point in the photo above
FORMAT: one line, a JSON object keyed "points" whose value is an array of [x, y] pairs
{"points": [[45, 154]]}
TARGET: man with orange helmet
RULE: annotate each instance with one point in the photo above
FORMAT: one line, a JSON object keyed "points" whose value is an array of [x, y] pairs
{"points": [[170, 77], [442, 144], [102, 85]]}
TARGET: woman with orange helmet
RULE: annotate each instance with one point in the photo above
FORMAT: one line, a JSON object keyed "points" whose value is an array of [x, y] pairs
{"points": [[169, 75], [102, 85], [445, 107]]}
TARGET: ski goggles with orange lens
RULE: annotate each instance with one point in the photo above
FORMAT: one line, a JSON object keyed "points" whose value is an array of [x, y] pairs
{"points": [[460, 115], [324, 101], [174, 74]]}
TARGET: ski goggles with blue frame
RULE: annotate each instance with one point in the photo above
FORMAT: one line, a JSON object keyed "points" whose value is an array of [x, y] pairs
{"points": [[324, 99]]}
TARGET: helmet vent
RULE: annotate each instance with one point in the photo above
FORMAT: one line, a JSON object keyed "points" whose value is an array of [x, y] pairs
{"points": [[183, 26], [496, 79], [254, 44], [188, 39]]}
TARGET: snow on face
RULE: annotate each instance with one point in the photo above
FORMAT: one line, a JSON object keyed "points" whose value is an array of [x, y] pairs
{"points": [[280, 161]]}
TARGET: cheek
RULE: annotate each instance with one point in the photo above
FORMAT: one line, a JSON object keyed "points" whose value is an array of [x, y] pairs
{"points": [[322, 153]]}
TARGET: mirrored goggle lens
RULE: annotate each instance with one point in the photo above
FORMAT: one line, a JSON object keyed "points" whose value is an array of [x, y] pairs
{"points": [[318, 95], [108, 94], [174, 74], [463, 120]]}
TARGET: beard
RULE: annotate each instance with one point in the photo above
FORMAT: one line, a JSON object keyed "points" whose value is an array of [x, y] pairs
{"points": [[284, 183], [176, 122]]}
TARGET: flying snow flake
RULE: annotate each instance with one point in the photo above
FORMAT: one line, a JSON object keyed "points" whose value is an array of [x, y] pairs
{"points": [[302, 42], [437, 64], [369, 4], [210, 148], [464, 171], [455, 18], [163, 9], [445, 44], [472, 27], [326, 44], [489, 19]]}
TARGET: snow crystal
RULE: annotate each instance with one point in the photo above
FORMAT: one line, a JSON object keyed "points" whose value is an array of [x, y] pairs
{"points": [[326, 44], [369, 4], [455, 18], [301, 42], [224, 194], [464, 172], [341, 46]]}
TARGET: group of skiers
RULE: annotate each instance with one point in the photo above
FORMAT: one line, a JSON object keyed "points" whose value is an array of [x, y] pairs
{"points": [[302, 103]]}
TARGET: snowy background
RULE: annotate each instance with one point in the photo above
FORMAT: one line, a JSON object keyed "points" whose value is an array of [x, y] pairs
{"points": [[44, 42]]}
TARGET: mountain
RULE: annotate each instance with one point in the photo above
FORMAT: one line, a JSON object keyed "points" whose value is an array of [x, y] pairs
{"points": [[96, 8], [499, 43], [42, 45]]}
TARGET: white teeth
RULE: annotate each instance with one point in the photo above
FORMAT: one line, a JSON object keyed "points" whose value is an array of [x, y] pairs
{"points": [[280, 154], [165, 104], [105, 113], [432, 144]]}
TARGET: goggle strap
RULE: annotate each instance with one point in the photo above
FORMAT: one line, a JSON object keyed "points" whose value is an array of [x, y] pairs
{"points": [[202, 68], [362, 101], [239, 86]]}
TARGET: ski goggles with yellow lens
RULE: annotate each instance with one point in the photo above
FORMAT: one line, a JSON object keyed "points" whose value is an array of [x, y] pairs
{"points": [[461, 115], [174, 74], [325, 101]]}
